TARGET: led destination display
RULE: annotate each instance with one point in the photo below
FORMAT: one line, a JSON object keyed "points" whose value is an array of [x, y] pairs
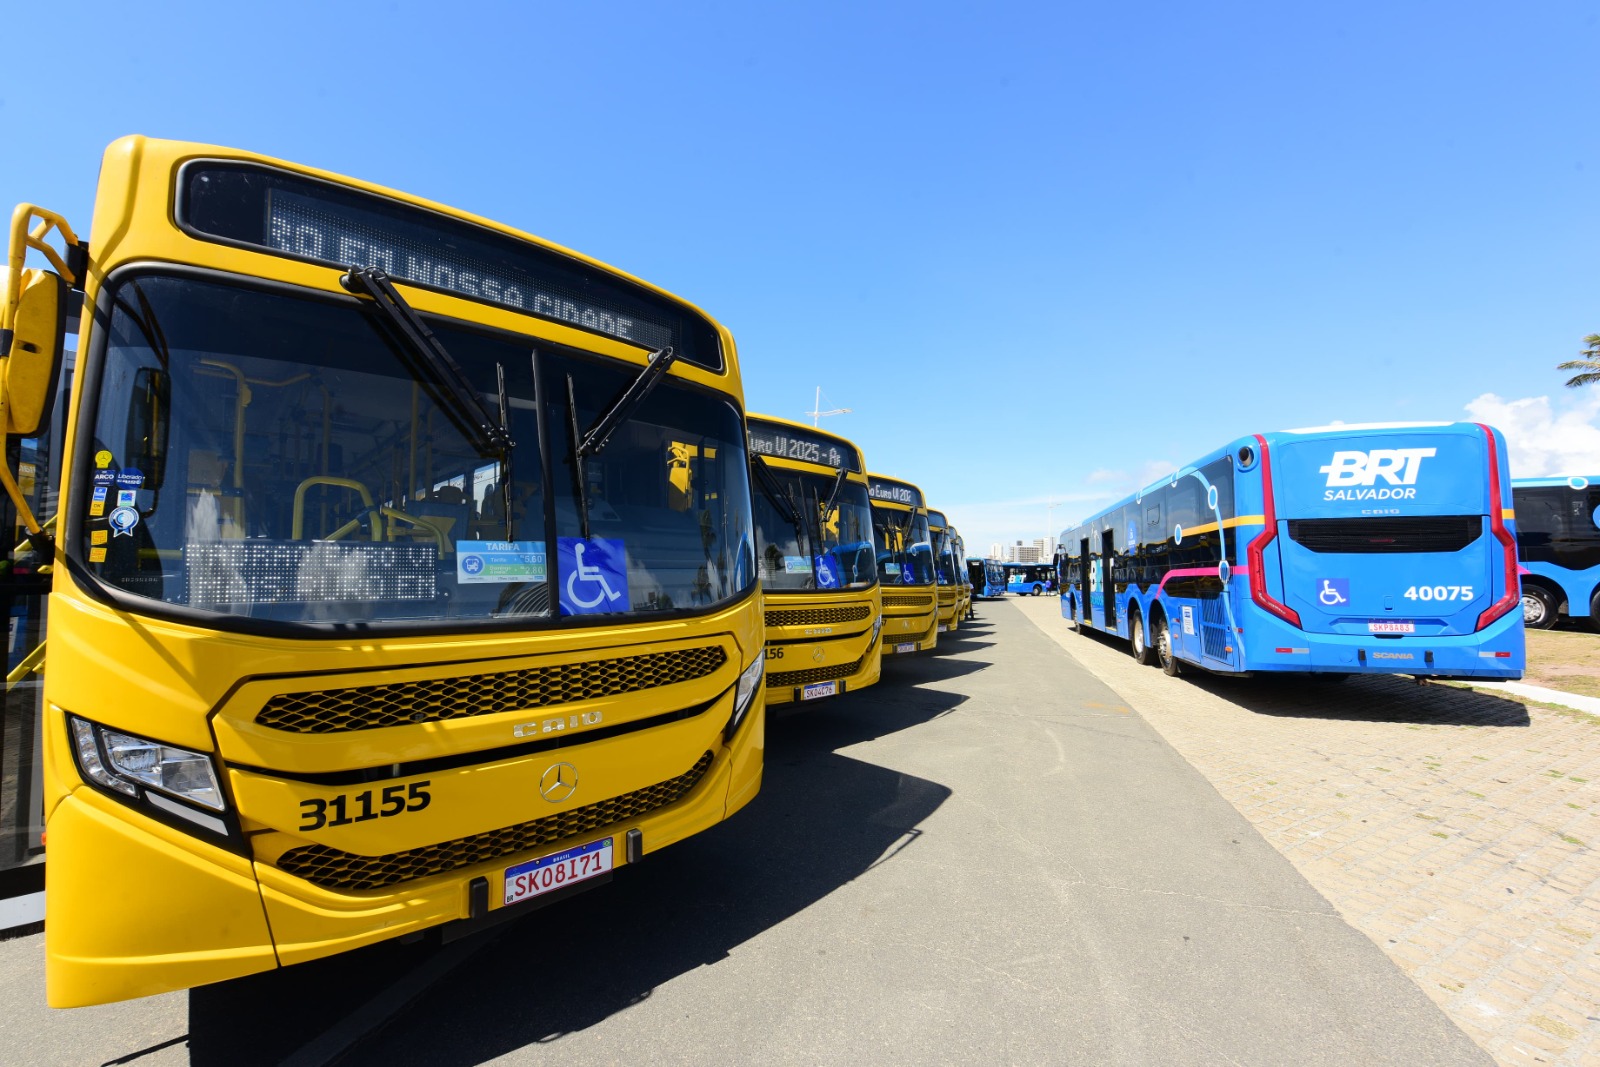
{"points": [[308, 219], [787, 442], [894, 492]]}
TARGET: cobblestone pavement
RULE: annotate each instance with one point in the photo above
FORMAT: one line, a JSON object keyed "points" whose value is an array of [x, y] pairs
{"points": [[1459, 830]]}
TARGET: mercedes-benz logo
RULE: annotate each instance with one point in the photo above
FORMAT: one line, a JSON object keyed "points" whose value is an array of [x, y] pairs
{"points": [[817, 655], [559, 781]]}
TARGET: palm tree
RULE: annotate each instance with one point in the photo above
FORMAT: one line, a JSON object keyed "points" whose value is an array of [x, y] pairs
{"points": [[1589, 364]]}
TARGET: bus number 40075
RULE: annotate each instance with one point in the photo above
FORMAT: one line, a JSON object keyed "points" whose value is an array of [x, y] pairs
{"points": [[1438, 592]]}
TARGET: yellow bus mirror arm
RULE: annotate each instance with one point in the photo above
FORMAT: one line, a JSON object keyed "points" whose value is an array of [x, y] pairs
{"points": [[71, 264], [32, 663]]}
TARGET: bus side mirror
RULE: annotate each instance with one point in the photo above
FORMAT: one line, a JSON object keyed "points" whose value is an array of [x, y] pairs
{"points": [[31, 351], [149, 417]]}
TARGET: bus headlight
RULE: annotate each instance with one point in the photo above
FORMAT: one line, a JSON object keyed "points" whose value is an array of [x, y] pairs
{"points": [[122, 762], [744, 692]]}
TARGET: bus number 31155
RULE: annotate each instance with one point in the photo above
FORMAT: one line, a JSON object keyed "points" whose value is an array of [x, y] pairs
{"points": [[394, 800]]}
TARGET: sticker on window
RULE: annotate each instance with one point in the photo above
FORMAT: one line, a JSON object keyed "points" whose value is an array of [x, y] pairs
{"points": [[122, 521], [593, 575], [796, 565], [827, 567], [488, 562]]}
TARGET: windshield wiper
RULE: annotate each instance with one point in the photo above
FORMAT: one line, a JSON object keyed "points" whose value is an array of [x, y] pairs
{"points": [[632, 397], [590, 442], [833, 496], [493, 437], [776, 492]]}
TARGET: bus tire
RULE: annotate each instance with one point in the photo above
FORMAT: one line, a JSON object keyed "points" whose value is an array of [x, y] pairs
{"points": [[1143, 655], [1037, 589], [1163, 642], [1539, 608]]}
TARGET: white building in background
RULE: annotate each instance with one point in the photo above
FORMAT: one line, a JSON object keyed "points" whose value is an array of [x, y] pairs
{"points": [[997, 550]]}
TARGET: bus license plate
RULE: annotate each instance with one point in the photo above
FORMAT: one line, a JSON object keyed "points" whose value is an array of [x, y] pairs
{"points": [[911, 647], [549, 873], [1391, 627], [819, 689], [943, 627]]}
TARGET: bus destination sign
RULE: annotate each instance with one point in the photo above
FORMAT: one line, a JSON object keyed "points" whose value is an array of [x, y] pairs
{"points": [[309, 228], [894, 492], [787, 442]]}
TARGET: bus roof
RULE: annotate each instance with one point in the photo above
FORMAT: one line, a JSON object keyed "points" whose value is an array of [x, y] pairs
{"points": [[1565, 481], [777, 438], [883, 489], [1275, 437]]}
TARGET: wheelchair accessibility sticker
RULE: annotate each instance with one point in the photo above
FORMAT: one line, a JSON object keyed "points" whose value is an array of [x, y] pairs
{"points": [[827, 571], [1333, 592], [593, 574]]}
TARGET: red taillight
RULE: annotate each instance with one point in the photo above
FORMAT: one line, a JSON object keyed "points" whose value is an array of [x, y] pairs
{"points": [[1255, 554], [1508, 544]]}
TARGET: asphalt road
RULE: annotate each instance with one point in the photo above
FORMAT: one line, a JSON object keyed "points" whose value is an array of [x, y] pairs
{"points": [[986, 857]]}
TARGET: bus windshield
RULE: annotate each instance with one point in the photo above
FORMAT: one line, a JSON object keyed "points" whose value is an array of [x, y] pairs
{"points": [[826, 552], [905, 549], [277, 457], [945, 562]]}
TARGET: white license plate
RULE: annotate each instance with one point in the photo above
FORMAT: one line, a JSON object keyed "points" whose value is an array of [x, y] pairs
{"points": [[1391, 627], [819, 689], [943, 628], [549, 873], [912, 647]]}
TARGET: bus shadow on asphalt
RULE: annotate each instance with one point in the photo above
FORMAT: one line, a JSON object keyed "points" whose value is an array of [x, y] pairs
{"points": [[1373, 698], [820, 821]]}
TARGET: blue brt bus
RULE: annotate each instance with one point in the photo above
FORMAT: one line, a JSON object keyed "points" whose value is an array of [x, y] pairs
{"points": [[987, 576], [1558, 536], [1030, 579], [1360, 549]]}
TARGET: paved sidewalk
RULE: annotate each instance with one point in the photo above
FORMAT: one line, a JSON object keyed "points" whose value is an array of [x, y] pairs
{"points": [[1457, 829]]}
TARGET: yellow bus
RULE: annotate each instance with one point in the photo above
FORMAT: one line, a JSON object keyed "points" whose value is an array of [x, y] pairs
{"points": [[814, 551], [963, 583], [404, 572], [905, 565], [944, 573]]}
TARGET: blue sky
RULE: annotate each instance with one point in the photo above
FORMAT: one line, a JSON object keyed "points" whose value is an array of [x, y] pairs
{"points": [[1041, 252]]}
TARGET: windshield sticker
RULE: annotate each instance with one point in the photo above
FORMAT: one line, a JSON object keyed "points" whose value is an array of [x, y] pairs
{"points": [[122, 521], [796, 565], [97, 505], [487, 562], [127, 497], [98, 537], [891, 568], [827, 571], [105, 477], [130, 478], [102, 459], [908, 576], [97, 555], [593, 575]]}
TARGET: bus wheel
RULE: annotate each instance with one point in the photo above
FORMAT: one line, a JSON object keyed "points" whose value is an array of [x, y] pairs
{"points": [[1142, 654], [1539, 610], [1036, 590], [1169, 662]]}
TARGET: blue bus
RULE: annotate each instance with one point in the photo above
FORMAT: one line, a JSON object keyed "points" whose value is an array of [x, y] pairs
{"points": [[1030, 579], [1338, 550], [987, 576], [1558, 536]]}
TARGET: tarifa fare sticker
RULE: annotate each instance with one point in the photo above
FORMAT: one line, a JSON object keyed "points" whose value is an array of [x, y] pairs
{"points": [[102, 459]]}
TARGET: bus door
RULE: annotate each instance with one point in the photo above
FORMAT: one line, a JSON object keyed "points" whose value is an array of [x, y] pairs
{"points": [[1083, 580], [1108, 591], [1387, 535]]}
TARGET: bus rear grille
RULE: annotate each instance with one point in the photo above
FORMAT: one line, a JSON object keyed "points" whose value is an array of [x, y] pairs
{"points": [[785, 679], [906, 601], [334, 869], [369, 707], [817, 616], [1431, 533]]}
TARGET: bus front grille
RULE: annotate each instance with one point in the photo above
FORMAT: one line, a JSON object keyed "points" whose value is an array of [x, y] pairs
{"points": [[901, 601], [817, 616], [947, 596], [369, 707], [785, 679], [332, 868], [1410, 533]]}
